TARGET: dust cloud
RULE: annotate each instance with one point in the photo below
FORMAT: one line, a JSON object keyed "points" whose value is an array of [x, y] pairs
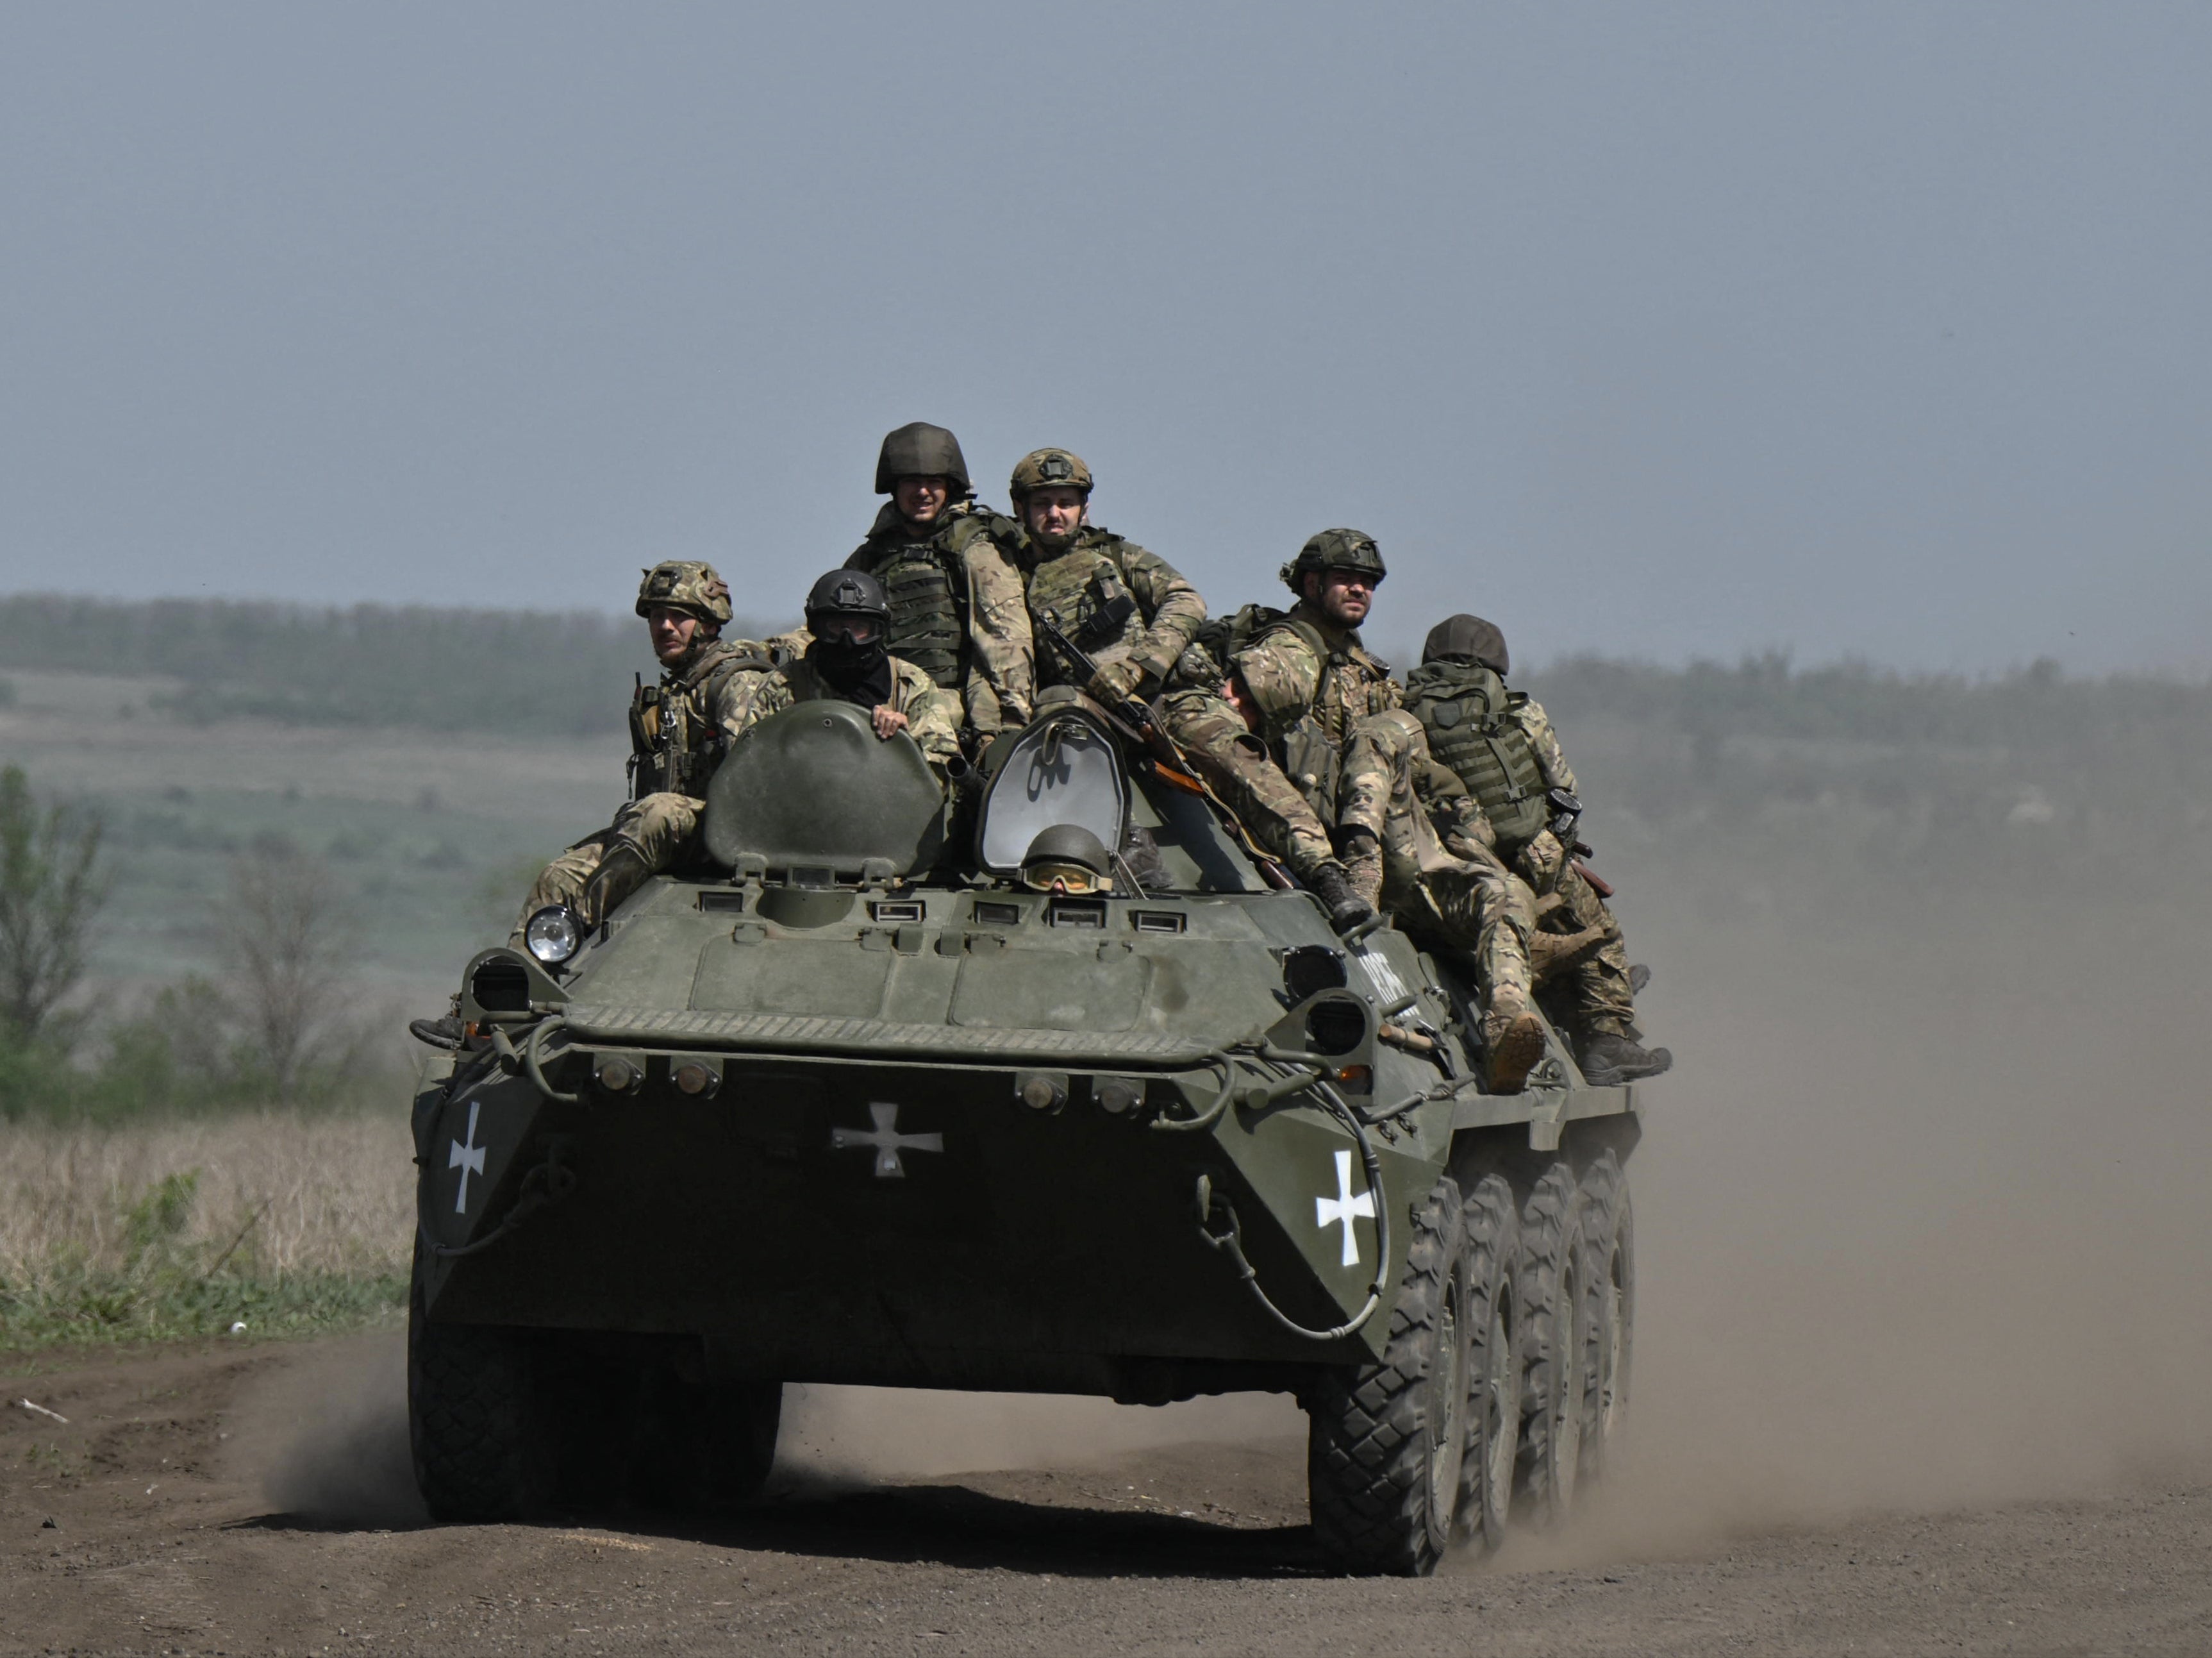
{"points": [[326, 1438], [1921, 1217]]}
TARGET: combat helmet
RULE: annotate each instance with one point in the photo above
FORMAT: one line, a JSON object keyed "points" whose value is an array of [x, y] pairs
{"points": [[1069, 856], [1340, 549], [846, 593], [919, 449], [1047, 469], [687, 585], [1471, 638]]}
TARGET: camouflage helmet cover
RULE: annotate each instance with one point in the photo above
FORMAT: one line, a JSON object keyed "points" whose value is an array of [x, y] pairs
{"points": [[1043, 469], [687, 585], [1338, 549], [1470, 637], [919, 449]]}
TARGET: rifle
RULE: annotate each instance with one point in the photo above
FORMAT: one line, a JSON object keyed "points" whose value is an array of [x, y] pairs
{"points": [[1565, 824], [1168, 763]]}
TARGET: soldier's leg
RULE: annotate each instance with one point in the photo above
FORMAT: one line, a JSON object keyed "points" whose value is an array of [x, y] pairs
{"points": [[648, 837], [563, 880], [1237, 766], [1603, 1010], [1376, 833], [1484, 912]]}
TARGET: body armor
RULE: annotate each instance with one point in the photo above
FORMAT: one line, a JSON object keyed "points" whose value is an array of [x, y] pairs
{"points": [[925, 585], [1467, 713], [1311, 752], [1082, 590], [675, 741]]}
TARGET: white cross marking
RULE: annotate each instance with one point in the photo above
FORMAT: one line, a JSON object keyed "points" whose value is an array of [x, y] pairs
{"points": [[469, 1159], [886, 1141], [1340, 1209]]}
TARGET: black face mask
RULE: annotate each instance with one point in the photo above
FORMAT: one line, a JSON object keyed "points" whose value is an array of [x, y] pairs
{"points": [[860, 673]]}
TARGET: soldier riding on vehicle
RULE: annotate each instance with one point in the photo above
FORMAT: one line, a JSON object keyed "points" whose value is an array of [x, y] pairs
{"points": [[955, 602], [1501, 745], [1125, 608]]}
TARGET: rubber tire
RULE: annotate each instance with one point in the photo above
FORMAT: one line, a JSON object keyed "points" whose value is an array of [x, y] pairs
{"points": [[1558, 1336], [1382, 1468], [1609, 1245], [704, 1447], [476, 1420], [1493, 1241]]}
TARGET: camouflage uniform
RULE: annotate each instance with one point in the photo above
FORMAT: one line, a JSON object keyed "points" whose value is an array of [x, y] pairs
{"points": [[678, 731], [1311, 684], [1097, 577], [1458, 702], [933, 714], [1433, 870], [958, 611]]}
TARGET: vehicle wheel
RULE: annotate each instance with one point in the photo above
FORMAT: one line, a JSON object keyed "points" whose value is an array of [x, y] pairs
{"points": [[1609, 1248], [1492, 1232], [1386, 1441], [705, 1446], [1558, 1334], [475, 1421]]}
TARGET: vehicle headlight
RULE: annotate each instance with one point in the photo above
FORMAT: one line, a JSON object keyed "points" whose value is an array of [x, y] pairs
{"points": [[553, 934]]}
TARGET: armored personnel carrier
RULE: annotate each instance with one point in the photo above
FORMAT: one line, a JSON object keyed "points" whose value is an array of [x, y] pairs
{"points": [[863, 1103]]}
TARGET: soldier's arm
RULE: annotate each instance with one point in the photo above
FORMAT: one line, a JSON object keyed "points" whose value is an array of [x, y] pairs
{"points": [[933, 720], [755, 696], [1281, 676], [1001, 686], [1174, 609], [1457, 816], [1545, 743]]}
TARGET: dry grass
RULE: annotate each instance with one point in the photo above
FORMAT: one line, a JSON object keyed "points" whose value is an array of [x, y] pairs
{"points": [[333, 1194]]}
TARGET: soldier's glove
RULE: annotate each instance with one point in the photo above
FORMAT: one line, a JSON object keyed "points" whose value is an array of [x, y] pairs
{"points": [[1541, 860], [1114, 683]]}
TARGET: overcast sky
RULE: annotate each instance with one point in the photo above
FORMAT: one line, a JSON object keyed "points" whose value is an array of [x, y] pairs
{"points": [[1660, 329]]}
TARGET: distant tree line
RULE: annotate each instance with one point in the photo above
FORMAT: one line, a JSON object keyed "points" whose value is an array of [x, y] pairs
{"points": [[443, 669]]}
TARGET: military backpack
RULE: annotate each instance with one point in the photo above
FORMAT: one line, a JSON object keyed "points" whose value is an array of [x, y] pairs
{"points": [[1468, 715]]}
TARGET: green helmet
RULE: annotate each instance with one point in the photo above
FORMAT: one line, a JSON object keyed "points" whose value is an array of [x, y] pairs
{"points": [[1468, 639], [919, 449], [687, 585], [1046, 469], [1353, 549], [1070, 856]]}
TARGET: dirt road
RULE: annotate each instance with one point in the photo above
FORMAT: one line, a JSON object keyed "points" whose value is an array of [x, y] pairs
{"points": [[256, 1500]]}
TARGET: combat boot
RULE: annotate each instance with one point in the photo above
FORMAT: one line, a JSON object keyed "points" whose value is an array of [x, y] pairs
{"points": [[1332, 884], [448, 1032], [1512, 1043], [622, 870], [1609, 1058]]}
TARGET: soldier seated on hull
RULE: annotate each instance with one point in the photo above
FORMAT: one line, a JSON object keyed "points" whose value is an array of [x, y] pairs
{"points": [[850, 661], [954, 600], [1500, 744], [1126, 608], [679, 728]]}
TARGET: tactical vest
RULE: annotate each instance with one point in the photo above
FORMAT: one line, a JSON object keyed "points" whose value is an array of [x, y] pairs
{"points": [[1082, 590], [925, 588], [675, 743], [1468, 714]]}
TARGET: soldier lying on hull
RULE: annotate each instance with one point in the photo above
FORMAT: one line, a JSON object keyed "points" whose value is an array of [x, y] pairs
{"points": [[955, 602], [1501, 745], [1126, 609], [679, 729], [849, 661]]}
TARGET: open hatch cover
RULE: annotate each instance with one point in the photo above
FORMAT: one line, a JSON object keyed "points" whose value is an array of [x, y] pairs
{"points": [[1065, 767], [814, 787]]}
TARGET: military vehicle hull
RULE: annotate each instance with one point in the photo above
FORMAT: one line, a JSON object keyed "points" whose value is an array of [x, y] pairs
{"points": [[1144, 1145]]}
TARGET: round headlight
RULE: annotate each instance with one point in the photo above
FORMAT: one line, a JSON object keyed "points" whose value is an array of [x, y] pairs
{"points": [[553, 934]]}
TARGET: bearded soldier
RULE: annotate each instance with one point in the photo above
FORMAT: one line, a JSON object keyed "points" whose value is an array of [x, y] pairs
{"points": [[1124, 607], [679, 729], [1268, 722], [1501, 745], [955, 600], [849, 661]]}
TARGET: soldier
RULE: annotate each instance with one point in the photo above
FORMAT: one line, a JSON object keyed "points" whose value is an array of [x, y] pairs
{"points": [[850, 661], [1268, 724], [1501, 745], [1124, 607], [956, 602], [1434, 873], [679, 728]]}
